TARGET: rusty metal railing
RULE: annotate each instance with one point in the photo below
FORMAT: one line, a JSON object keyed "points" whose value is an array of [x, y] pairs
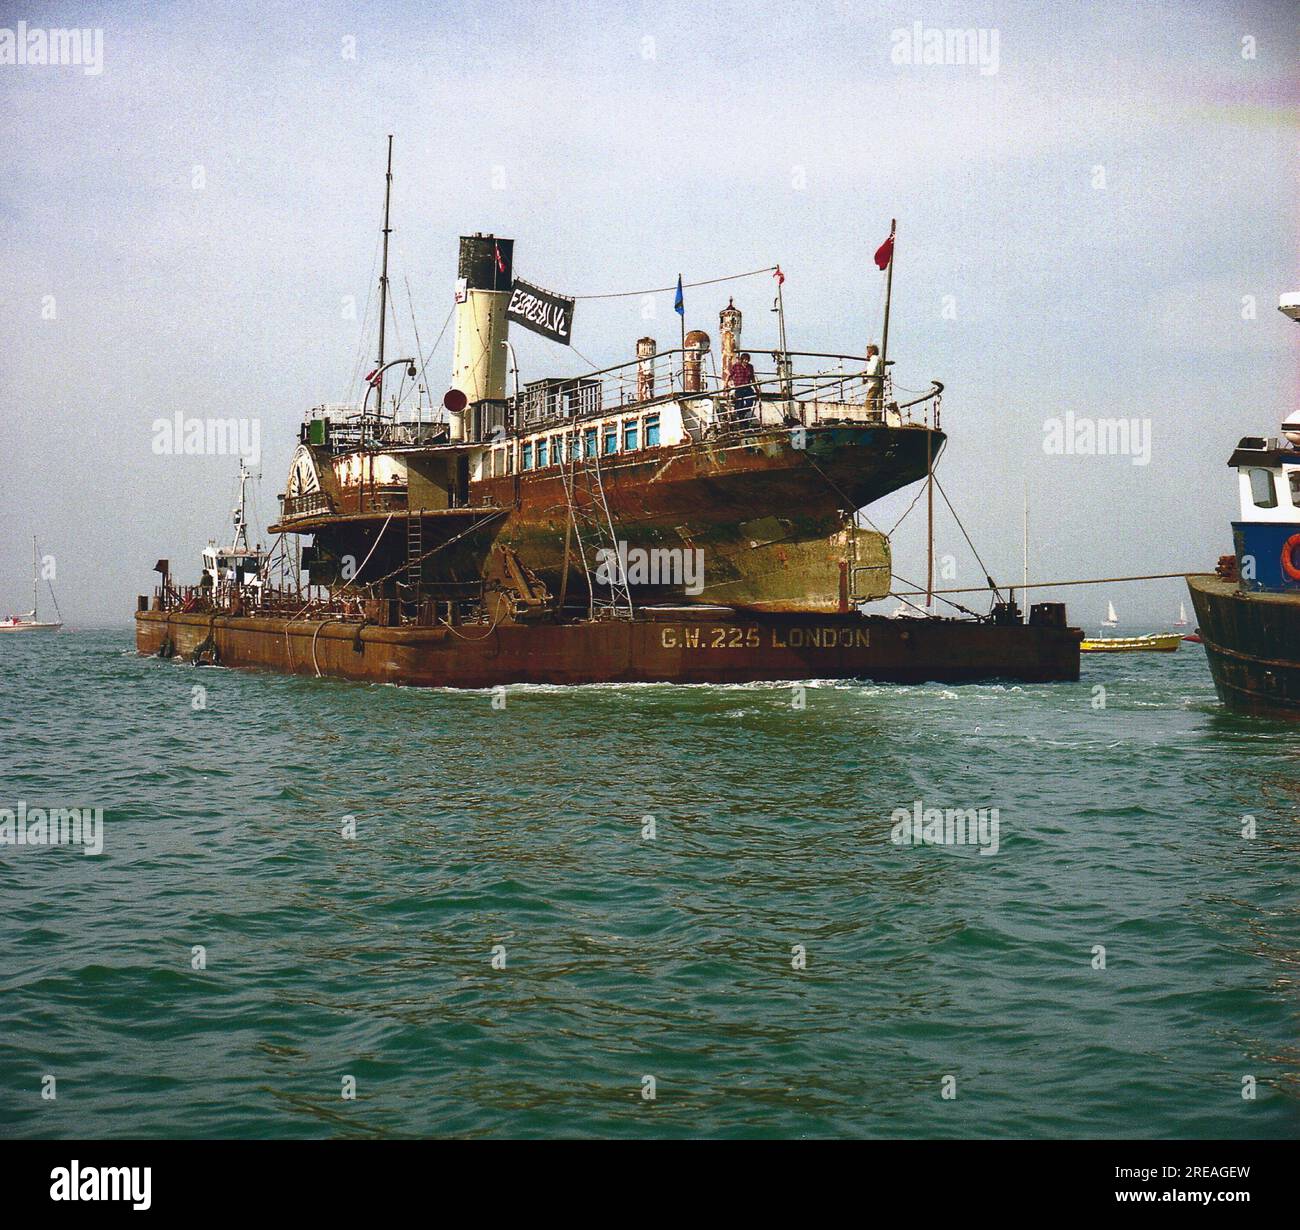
{"points": [[313, 503]]}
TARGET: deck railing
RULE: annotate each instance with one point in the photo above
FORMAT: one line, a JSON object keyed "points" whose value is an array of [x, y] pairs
{"points": [[837, 391], [313, 503]]}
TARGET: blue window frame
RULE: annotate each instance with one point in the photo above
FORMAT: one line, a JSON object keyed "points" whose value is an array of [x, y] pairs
{"points": [[542, 459], [651, 430], [589, 442], [611, 438], [631, 430], [526, 457]]}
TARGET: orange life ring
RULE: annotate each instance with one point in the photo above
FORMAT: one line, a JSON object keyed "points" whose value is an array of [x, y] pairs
{"points": [[1289, 556]]}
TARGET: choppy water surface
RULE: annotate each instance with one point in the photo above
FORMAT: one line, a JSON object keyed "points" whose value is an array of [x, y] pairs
{"points": [[520, 831]]}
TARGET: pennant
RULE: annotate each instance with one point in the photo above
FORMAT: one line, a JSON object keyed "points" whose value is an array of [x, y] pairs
{"points": [[885, 253], [501, 265], [679, 304], [779, 276]]}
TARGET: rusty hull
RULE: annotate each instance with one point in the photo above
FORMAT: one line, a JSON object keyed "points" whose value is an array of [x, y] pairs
{"points": [[656, 647], [767, 516]]}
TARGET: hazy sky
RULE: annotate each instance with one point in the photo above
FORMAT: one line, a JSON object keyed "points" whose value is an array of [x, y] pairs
{"points": [[1092, 215]]}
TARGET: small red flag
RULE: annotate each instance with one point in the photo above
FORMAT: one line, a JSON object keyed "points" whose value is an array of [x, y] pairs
{"points": [[779, 276], [373, 378], [501, 265], [885, 253]]}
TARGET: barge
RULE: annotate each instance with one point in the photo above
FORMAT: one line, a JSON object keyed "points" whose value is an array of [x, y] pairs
{"points": [[658, 646]]}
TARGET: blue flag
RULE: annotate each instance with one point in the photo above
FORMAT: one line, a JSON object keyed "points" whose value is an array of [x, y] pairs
{"points": [[679, 304]]}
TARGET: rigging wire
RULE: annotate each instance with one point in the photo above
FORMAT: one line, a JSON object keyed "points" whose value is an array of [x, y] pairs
{"points": [[348, 584], [848, 501], [583, 357], [1147, 576], [415, 325], [659, 290], [918, 592], [50, 586], [987, 576], [363, 339], [920, 491], [434, 348]]}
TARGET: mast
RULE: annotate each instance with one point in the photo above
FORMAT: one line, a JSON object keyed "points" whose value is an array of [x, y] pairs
{"points": [[682, 316], [241, 533], [1024, 575], [783, 364], [34, 571], [889, 288], [929, 511], [383, 279]]}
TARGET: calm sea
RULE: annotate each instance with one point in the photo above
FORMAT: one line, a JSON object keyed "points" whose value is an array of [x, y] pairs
{"points": [[503, 950]]}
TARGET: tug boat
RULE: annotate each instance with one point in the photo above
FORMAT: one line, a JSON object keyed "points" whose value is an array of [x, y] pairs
{"points": [[1248, 611]]}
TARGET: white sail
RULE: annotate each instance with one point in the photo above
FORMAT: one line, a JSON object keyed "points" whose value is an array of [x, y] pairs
{"points": [[1112, 620], [28, 621]]}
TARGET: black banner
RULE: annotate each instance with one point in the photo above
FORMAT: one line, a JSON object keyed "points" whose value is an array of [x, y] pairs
{"points": [[541, 311]]}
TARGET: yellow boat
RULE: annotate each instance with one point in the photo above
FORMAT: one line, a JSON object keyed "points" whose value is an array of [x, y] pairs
{"points": [[1159, 642]]}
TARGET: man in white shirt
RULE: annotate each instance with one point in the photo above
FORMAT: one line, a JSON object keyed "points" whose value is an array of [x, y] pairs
{"points": [[875, 379]]}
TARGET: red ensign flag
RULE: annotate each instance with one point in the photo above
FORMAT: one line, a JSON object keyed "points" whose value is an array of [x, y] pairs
{"points": [[885, 253], [779, 276]]}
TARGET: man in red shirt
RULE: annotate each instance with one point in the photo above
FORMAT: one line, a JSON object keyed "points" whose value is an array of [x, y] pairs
{"points": [[741, 378]]}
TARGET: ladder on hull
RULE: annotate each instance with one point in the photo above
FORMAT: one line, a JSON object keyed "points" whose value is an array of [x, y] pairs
{"points": [[592, 525], [414, 552]]}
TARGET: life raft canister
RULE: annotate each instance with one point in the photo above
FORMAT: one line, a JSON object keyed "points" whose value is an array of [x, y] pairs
{"points": [[1290, 554]]}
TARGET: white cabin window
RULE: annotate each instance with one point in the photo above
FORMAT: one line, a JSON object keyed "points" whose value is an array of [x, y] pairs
{"points": [[1262, 491]]}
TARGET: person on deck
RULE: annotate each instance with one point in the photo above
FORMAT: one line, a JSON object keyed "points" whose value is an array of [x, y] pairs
{"points": [[741, 378], [875, 379]]}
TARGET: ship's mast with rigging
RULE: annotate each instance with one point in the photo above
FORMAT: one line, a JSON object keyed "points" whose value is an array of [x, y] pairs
{"points": [[241, 519], [889, 290], [383, 281]]}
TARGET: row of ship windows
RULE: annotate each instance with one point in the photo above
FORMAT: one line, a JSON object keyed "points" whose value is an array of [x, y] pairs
{"points": [[1264, 493], [617, 437]]}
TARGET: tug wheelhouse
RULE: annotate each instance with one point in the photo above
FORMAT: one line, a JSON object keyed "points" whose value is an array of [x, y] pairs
{"points": [[1266, 537]]}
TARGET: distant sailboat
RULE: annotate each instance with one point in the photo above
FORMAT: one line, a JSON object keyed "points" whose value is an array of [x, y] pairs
{"points": [[1111, 620], [28, 622], [1181, 621]]}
